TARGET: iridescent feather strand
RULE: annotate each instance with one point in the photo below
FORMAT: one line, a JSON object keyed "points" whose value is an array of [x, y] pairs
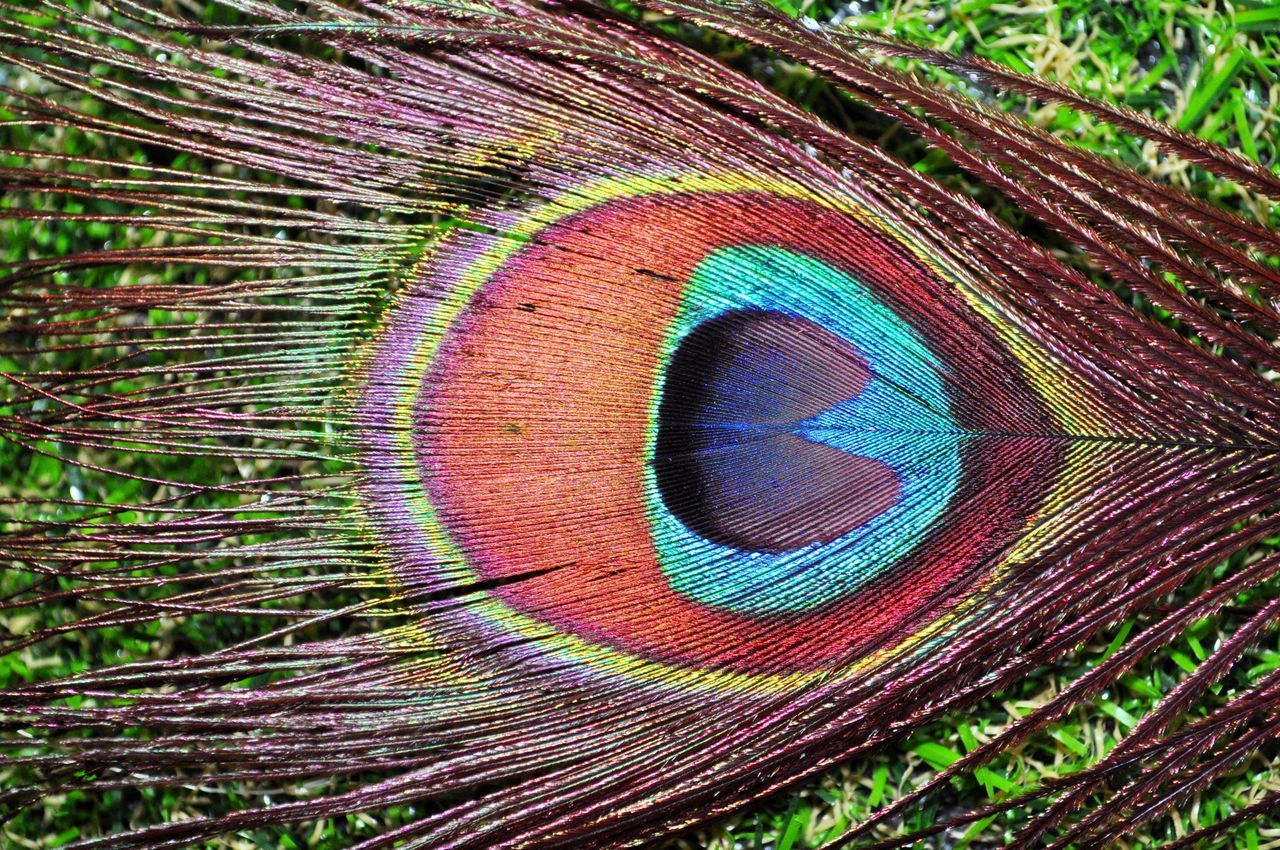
{"points": [[607, 441]]}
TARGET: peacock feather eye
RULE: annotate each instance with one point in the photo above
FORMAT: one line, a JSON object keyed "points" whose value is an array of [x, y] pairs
{"points": [[772, 397], [503, 425]]}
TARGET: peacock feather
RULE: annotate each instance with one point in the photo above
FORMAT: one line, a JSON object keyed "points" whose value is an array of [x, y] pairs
{"points": [[587, 440]]}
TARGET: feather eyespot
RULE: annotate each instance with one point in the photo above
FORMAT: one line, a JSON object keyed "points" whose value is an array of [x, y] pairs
{"points": [[804, 454], [698, 445]]}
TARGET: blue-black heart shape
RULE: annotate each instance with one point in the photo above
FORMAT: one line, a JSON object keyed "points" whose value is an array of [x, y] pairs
{"points": [[730, 459]]}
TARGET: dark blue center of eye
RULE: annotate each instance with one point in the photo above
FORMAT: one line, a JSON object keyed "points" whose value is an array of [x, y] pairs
{"points": [[732, 461]]}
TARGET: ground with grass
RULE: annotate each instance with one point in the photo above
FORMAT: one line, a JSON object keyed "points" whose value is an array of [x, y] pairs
{"points": [[1210, 68]]}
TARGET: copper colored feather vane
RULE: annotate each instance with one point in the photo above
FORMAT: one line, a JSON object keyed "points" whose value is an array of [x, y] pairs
{"points": [[648, 444]]}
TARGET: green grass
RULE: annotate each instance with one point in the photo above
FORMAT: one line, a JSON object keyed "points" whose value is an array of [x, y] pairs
{"points": [[1213, 72]]}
